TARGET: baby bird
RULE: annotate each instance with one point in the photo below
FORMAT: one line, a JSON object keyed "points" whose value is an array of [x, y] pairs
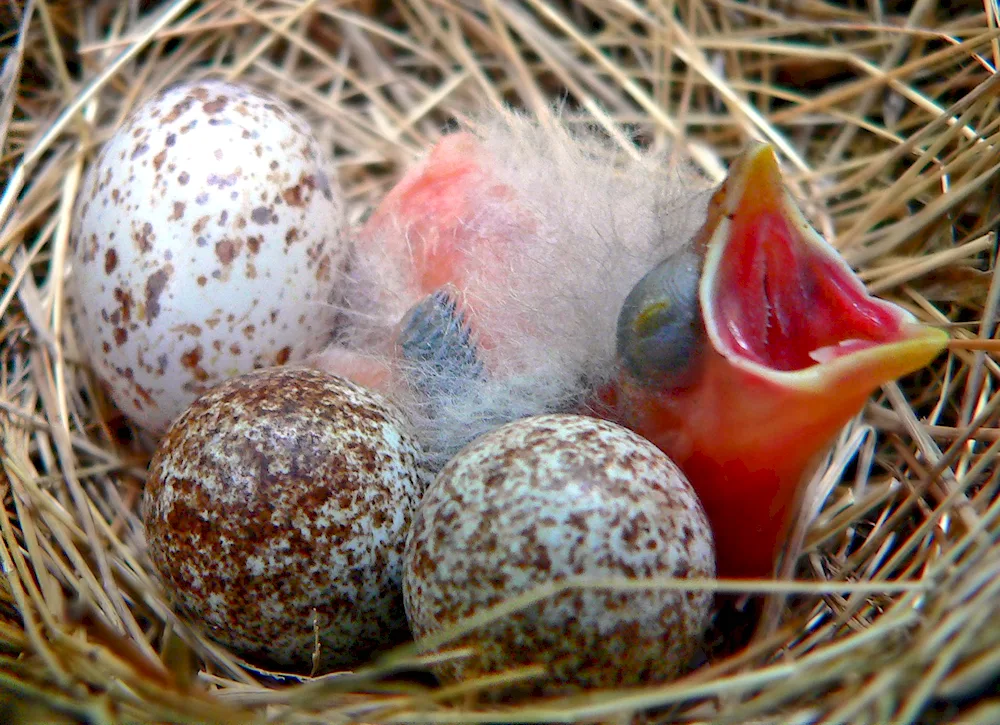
{"points": [[522, 269], [744, 354], [486, 285]]}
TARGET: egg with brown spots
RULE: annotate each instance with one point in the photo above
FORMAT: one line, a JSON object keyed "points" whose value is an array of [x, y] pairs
{"points": [[207, 241], [276, 512], [543, 500]]}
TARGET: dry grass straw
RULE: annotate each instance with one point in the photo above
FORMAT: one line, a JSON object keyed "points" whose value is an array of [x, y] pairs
{"points": [[887, 122]]}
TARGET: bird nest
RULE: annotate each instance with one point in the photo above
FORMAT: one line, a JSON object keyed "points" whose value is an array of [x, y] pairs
{"points": [[885, 120]]}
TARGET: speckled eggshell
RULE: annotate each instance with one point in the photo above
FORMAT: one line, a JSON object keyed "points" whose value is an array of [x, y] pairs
{"points": [[279, 500], [546, 498], [207, 241]]}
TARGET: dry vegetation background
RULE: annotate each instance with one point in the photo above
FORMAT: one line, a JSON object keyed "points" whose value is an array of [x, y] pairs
{"points": [[885, 116]]}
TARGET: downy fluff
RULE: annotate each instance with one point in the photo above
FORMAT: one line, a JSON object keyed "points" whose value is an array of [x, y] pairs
{"points": [[531, 237]]}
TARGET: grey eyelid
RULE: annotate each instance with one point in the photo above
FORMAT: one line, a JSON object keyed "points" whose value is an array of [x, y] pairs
{"points": [[668, 354], [436, 340]]}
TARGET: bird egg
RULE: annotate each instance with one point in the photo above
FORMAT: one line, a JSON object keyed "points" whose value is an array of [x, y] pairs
{"points": [[208, 239], [276, 512], [545, 500]]}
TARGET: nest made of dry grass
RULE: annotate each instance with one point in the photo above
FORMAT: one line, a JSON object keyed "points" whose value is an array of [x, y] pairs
{"points": [[886, 120]]}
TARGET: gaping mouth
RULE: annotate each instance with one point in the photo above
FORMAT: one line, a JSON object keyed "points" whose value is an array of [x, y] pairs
{"points": [[779, 300]]}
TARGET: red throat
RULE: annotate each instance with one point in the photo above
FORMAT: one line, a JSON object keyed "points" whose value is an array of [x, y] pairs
{"points": [[789, 306]]}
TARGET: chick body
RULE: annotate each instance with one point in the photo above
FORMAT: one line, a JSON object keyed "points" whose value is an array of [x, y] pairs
{"points": [[535, 234]]}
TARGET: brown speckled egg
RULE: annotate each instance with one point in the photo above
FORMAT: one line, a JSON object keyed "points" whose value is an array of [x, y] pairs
{"points": [[207, 241], [276, 510], [546, 498]]}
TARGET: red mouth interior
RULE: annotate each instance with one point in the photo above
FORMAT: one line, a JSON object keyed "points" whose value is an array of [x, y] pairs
{"points": [[785, 304]]}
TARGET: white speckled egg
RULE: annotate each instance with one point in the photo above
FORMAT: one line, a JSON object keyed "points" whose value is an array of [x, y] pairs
{"points": [[207, 241], [276, 511], [546, 498]]}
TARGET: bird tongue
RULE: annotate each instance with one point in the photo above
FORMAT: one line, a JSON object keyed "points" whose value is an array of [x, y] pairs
{"points": [[844, 347], [780, 301]]}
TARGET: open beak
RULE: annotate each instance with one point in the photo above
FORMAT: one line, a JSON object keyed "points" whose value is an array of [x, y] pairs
{"points": [[778, 300], [790, 346]]}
